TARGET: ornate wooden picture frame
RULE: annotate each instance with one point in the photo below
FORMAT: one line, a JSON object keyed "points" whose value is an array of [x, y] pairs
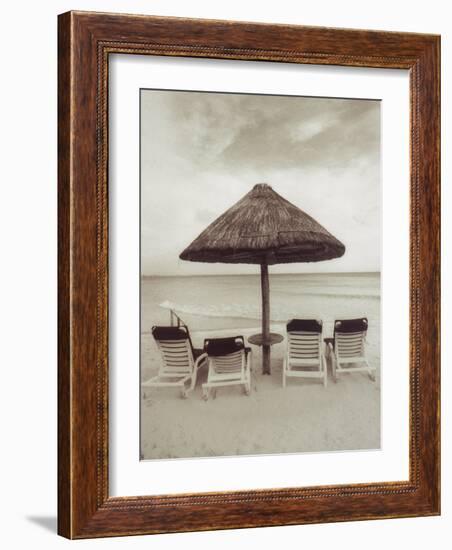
{"points": [[86, 40]]}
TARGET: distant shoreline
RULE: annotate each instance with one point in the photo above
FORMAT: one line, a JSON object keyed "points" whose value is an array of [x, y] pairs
{"points": [[324, 273]]}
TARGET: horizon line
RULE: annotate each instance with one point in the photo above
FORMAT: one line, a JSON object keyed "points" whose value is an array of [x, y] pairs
{"points": [[257, 274]]}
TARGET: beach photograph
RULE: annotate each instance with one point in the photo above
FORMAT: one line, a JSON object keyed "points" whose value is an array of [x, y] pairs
{"points": [[260, 274]]}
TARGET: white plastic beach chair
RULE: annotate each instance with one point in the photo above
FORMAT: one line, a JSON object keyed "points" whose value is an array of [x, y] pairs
{"points": [[229, 364], [180, 361], [304, 356], [348, 348]]}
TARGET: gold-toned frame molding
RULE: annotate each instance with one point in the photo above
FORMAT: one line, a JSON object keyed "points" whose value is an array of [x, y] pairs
{"points": [[86, 40]]}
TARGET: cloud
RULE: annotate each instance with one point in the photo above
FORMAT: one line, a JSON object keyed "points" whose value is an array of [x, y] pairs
{"points": [[201, 152], [229, 131]]}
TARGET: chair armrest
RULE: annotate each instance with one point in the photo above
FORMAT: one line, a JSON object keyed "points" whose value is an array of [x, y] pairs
{"points": [[200, 359], [196, 366]]}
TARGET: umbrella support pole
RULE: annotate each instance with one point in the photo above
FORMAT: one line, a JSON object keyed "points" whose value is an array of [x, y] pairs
{"points": [[265, 288]]}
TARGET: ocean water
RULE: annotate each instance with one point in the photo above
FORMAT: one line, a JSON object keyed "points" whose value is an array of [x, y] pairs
{"points": [[225, 301]]}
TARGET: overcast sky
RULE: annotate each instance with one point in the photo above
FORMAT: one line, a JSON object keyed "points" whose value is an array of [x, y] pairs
{"points": [[201, 152]]}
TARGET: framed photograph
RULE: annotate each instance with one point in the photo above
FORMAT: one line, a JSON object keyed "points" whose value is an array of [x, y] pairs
{"points": [[248, 275]]}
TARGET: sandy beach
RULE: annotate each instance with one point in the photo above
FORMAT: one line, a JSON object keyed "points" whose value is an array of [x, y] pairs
{"points": [[303, 417]]}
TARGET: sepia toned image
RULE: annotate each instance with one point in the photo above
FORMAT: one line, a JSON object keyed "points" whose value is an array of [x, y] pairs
{"points": [[260, 274]]}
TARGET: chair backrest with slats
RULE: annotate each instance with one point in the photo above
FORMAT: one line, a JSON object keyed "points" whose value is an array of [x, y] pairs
{"points": [[175, 348], [349, 337], [304, 338], [226, 355]]}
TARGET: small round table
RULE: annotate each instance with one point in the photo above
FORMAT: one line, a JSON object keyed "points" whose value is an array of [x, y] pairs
{"points": [[257, 339]]}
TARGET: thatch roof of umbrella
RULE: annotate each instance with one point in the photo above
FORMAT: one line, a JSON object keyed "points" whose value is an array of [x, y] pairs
{"points": [[263, 227]]}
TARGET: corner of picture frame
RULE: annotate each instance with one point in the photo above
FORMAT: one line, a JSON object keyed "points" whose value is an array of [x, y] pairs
{"points": [[85, 41]]}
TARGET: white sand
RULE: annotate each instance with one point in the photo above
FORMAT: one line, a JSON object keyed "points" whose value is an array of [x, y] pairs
{"points": [[303, 417]]}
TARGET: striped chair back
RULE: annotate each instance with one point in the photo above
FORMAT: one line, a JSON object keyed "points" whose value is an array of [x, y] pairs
{"points": [[175, 348], [304, 339], [349, 337], [226, 355]]}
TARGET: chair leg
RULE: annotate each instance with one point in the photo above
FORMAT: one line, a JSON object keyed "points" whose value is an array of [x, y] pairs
{"points": [[325, 373], [192, 385], [333, 366], [248, 368], [327, 351], [248, 383], [205, 393], [284, 373]]}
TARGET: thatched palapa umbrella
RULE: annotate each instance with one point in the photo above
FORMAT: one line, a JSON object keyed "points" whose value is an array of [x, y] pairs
{"points": [[264, 228]]}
